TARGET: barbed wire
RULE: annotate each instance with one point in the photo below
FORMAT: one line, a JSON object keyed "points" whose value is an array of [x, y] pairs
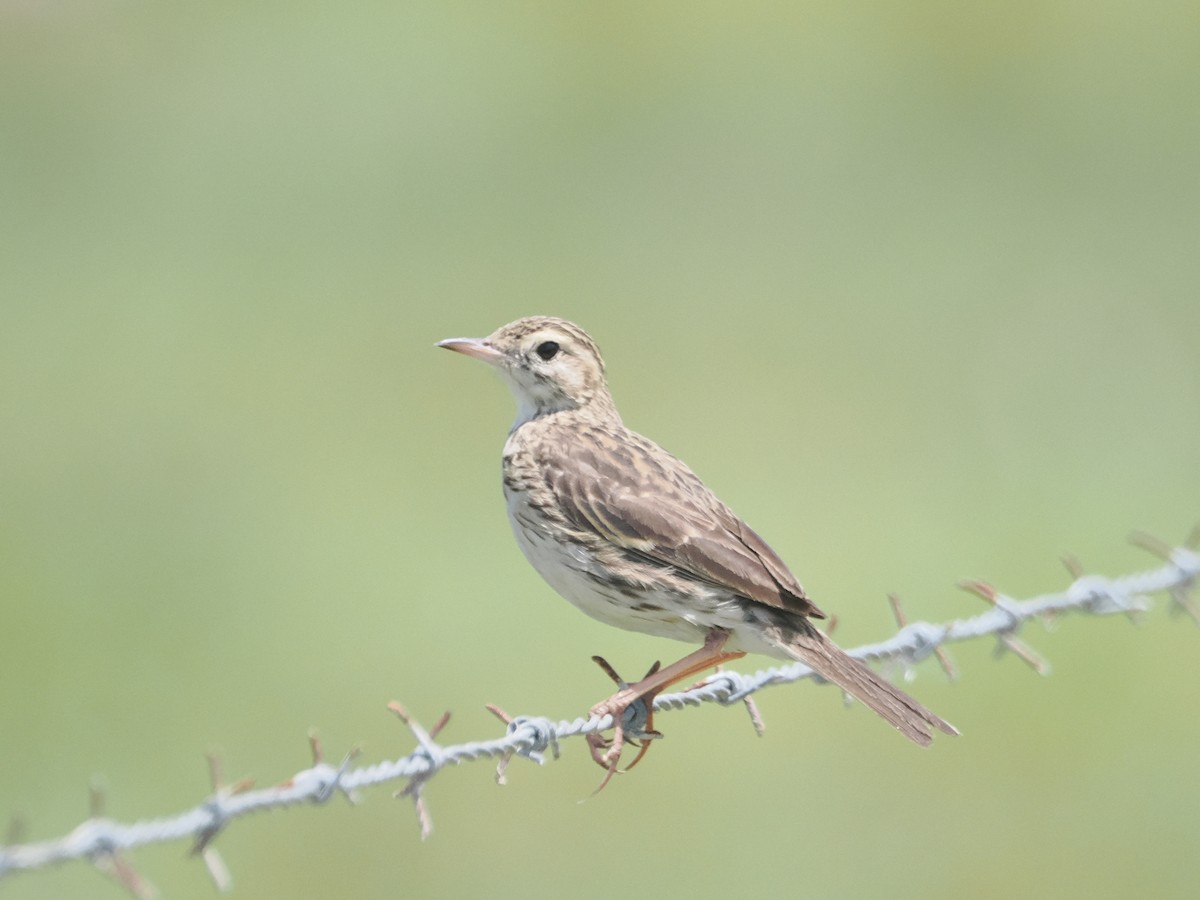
{"points": [[103, 841]]}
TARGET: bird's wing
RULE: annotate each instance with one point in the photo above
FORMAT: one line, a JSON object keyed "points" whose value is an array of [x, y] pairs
{"points": [[637, 496]]}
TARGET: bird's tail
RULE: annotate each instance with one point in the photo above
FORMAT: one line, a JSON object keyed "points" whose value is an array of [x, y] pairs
{"points": [[913, 720]]}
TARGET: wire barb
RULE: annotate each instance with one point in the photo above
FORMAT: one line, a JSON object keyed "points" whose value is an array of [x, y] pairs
{"points": [[1186, 559], [106, 855], [433, 753], [933, 646], [756, 719]]}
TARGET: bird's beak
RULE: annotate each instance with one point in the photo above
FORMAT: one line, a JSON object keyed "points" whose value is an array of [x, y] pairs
{"points": [[476, 347]]}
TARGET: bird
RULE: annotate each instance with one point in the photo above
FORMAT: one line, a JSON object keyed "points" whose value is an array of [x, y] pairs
{"points": [[630, 535]]}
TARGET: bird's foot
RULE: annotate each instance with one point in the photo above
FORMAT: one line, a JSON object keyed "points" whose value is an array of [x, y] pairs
{"points": [[632, 713], [632, 707]]}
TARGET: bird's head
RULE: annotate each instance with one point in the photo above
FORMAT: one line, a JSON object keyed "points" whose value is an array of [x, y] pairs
{"points": [[550, 365]]}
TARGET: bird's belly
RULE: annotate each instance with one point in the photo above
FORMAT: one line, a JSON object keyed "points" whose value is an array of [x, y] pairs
{"points": [[575, 572]]}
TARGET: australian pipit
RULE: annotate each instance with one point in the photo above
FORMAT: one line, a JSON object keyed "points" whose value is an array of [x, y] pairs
{"points": [[631, 536]]}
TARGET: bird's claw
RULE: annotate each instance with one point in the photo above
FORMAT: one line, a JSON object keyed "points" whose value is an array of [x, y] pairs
{"points": [[633, 721]]}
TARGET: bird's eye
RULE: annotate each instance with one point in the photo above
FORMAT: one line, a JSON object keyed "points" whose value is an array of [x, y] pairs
{"points": [[547, 350]]}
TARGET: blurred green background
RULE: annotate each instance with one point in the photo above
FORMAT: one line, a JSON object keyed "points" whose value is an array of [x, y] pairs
{"points": [[913, 286]]}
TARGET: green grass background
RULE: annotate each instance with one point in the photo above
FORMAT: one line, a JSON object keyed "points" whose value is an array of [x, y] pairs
{"points": [[915, 287]]}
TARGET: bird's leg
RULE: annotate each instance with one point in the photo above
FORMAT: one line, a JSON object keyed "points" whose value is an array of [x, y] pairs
{"points": [[608, 754]]}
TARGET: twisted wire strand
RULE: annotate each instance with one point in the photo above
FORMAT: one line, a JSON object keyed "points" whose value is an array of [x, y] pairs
{"points": [[103, 841]]}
